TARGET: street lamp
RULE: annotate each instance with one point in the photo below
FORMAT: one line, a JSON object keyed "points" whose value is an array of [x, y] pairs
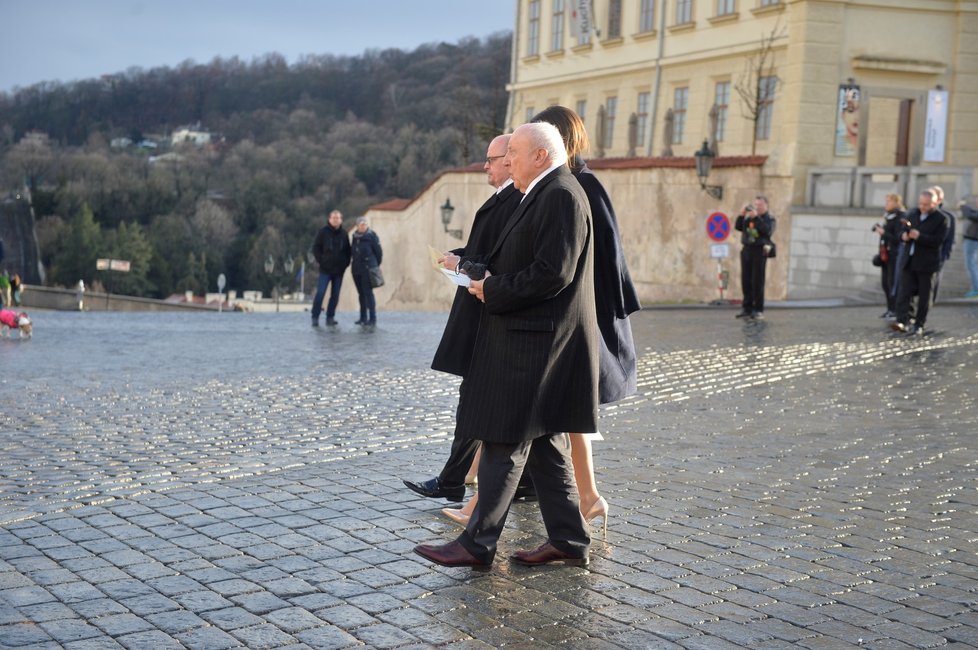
{"points": [[704, 162], [446, 218]]}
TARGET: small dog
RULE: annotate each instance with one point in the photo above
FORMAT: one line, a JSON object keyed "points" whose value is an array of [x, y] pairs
{"points": [[10, 319]]}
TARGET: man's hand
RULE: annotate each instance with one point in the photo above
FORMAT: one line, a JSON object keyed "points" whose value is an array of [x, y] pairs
{"points": [[449, 261], [913, 234], [476, 288]]}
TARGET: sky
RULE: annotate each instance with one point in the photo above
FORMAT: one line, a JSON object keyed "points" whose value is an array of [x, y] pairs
{"points": [[68, 40]]}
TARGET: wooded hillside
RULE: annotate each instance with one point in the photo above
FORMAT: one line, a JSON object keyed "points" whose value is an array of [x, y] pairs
{"points": [[287, 144]]}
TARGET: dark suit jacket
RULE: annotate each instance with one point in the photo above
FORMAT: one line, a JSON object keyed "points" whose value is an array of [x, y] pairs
{"points": [[534, 369], [455, 349], [926, 257], [614, 294]]}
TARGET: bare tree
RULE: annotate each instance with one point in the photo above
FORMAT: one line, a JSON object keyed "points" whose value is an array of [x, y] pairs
{"points": [[758, 82]]}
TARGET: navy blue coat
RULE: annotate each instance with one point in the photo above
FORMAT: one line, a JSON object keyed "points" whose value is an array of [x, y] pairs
{"points": [[366, 253], [614, 294]]}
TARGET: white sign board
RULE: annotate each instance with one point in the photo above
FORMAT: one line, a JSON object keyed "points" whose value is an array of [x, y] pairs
{"points": [[119, 265], [935, 130], [719, 251]]}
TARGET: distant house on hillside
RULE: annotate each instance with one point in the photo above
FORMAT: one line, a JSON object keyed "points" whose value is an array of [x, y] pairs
{"points": [[190, 134]]}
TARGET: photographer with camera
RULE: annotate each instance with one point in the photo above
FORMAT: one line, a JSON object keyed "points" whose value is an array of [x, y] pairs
{"points": [[889, 248], [757, 226], [919, 266]]}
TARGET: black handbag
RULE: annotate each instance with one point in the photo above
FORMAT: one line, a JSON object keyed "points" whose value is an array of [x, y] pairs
{"points": [[376, 277], [770, 250]]}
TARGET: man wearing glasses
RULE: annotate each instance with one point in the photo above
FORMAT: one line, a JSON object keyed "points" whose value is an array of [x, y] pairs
{"points": [[455, 350]]}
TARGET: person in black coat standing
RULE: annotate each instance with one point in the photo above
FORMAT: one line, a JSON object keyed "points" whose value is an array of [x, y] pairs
{"points": [[889, 232], [366, 255], [332, 251], [757, 226], [455, 348], [924, 236], [534, 369]]}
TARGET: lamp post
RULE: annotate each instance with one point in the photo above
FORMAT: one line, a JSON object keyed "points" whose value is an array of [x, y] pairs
{"points": [[446, 218], [704, 163]]}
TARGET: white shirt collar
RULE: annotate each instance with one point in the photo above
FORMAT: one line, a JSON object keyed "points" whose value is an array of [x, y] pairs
{"points": [[537, 179], [509, 181]]}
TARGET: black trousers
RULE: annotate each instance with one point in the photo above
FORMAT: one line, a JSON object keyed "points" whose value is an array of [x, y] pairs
{"points": [[753, 265], [886, 272], [462, 454], [914, 283], [549, 464]]}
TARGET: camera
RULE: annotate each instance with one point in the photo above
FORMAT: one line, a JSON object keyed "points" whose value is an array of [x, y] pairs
{"points": [[748, 208], [875, 226], [474, 270]]}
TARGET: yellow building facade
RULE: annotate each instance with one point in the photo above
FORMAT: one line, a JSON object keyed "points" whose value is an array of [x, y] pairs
{"points": [[846, 100]]}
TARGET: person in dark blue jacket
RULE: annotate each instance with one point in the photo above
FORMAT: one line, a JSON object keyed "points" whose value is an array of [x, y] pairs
{"points": [[332, 252], [366, 255]]}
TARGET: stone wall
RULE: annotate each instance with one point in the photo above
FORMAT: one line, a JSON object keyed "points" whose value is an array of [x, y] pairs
{"points": [[662, 214]]}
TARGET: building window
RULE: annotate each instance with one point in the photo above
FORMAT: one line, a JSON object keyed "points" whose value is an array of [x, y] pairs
{"points": [[557, 27], [533, 30], [581, 109], [530, 112], [770, 3], [765, 106], [722, 101], [684, 11], [646, 16], [679, 104], [610, 110], [726, 7], [614, 19], [642, 113]]}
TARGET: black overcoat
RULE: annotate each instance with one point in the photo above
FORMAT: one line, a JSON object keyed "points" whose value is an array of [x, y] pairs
{"points": [[614, 294], [534, 369], [926, 256], [455, 348]]}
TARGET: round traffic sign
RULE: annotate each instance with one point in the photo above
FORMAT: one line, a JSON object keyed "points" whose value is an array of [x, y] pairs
{"points": [[718, 226]]}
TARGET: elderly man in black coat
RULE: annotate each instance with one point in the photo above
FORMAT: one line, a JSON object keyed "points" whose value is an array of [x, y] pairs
{"points": [[455, 349], [534, 370], [923, 241]]}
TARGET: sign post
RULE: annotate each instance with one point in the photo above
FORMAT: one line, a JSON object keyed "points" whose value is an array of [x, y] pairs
{"points": [[718, 229], [105, 264]]}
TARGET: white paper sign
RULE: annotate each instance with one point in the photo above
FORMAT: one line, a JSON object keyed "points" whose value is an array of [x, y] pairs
{"points": [[935, 131], [719, 251]]}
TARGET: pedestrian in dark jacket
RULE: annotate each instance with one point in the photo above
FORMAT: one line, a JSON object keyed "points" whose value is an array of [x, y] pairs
{"points": [[332, 251], [757, 226], [889, 232], [923, 239], [367, 255]]}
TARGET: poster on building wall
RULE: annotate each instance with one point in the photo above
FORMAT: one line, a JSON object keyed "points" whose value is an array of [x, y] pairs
{"points": [[935, 131], [581, 17], [847, 122]]}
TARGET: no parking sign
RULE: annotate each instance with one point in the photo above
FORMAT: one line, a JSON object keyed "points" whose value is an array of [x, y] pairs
{"points": [[718, 226]]}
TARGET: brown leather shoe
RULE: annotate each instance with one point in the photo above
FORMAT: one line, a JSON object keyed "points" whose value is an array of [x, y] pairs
{"points": [[451, 554], [545, 555]]}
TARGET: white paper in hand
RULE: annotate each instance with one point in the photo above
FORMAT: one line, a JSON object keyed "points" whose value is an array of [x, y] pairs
{"points": [[460, 279]]}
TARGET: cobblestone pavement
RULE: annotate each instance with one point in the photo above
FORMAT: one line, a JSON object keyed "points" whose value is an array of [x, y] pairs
{"points": [[220, 481]]}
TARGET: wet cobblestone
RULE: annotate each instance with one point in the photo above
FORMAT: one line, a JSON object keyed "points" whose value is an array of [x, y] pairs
{"points": [[234, 481]]}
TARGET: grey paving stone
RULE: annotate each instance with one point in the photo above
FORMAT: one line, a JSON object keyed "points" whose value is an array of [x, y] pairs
{"points": [[19, 635], [210, 638], [71, 629], [263, 636], [176, 621], [231, 618], [260, 602], [327, 637], [121, 624]]}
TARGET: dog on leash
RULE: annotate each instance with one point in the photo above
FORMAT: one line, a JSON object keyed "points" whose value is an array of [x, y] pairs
{"points": [[11, 320]]}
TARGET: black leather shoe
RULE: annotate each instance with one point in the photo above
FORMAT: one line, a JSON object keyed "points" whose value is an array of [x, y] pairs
{"points": [[452, 554], [525, 493], [331, 321], [743, 314], [546, 554], [433, 489]]}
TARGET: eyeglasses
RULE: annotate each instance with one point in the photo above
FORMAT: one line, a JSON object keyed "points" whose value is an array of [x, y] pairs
{"points": [[489, 159]]}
